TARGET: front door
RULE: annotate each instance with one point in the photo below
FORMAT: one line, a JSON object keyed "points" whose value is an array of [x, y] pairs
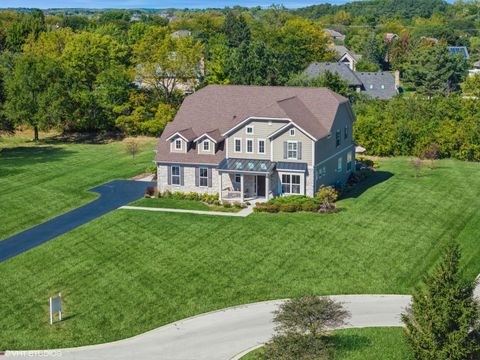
{"points": [[261, 185]]}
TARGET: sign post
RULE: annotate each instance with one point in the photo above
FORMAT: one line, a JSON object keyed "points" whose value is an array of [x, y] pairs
{"points": [[56, 306]]}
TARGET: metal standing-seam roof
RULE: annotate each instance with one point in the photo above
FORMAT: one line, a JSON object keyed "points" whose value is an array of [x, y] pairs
{"points": [[292, 166], [247, 165]]}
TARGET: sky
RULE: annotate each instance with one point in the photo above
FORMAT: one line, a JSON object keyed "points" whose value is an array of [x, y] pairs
{"points": [[158, 4]]}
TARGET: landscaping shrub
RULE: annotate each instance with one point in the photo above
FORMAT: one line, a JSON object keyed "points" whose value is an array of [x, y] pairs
{"points": [[227, 205], [292, 203], [237, 205], [150, 191], [192, 196], [327, 196]]}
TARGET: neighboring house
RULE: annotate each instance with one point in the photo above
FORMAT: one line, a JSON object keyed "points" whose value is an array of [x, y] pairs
{"points": [[381, 84], [388, 38], [430, 40], [462, 50], [475, 70], [334, 35], [345, 56], [181, 34], [244, 142]]}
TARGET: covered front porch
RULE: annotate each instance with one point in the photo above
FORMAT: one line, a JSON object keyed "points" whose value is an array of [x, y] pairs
{"points": [[245, 180]]}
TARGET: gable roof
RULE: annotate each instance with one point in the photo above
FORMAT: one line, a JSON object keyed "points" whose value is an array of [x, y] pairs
{"points": [[342, 70], [334, 33], [222, 107], [342, 50], [374, 81]]}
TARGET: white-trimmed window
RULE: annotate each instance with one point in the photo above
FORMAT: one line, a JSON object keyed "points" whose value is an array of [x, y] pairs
{"points": [[249, 129], [203, 176], [292, 150], [292, 132], [238, 178], [178, 144], [249, 146], [337, 138], [238, 145], [261, 146], [175, 175], [349, 161], [339, 165], [206, 145], [290, 184]]}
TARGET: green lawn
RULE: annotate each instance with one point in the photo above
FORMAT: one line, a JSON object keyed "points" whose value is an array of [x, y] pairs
{"points": [[38, 182], [362, 344], [130, 271], [168, 203]]}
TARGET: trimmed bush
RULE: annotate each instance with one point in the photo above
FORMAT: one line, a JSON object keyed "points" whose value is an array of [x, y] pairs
{"points": [[290, 204]]}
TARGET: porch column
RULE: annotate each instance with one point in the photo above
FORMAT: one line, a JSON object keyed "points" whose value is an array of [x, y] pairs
{"points": [[220, 184], [267, 187], [241, 187]]}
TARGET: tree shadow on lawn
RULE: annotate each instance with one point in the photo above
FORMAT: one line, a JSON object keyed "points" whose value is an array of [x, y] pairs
{"points": [[84, 138], [346, 343], [375, 178], [12, 159]]}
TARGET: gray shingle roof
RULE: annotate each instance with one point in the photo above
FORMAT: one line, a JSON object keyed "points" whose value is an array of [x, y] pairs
{"points": [[342, 70], [342, 50], [379, 85], [221, 107]]}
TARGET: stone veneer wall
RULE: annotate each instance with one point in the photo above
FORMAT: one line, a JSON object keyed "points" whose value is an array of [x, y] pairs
{"points": [[189, 181]]}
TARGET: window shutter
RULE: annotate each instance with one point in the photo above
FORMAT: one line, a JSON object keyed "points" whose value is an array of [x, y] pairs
{"points": [[181, 176], [197, 176], [299, 150], [169, 175], [209, 171], [285, 149]]}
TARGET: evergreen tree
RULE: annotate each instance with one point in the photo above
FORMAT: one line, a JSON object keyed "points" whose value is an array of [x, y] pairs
{"points": [[443, 320], [432, 70], [236, 30]]}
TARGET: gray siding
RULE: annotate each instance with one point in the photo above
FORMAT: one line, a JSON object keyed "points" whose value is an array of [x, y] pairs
{"points": [[261, 130], [172, 145], [326, 147], [211, 150], [327, 153], [307, 146]]}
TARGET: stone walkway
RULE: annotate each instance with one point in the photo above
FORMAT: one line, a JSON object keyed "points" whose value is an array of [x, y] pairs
{"points": [[242, 213]]}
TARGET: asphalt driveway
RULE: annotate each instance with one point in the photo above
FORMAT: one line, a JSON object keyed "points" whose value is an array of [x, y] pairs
{"points": [[112, 196]]}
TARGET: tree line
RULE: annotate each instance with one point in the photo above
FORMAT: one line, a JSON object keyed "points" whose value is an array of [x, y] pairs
{"points": [[103, 71]]}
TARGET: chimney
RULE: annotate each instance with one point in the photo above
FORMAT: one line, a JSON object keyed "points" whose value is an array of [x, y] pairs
{"points": [[397, 79]]}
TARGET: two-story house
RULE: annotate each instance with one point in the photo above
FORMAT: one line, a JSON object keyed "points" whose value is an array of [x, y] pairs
{"points": [[244, 142]]}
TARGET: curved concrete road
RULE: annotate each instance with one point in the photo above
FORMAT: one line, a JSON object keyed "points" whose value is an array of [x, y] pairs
{"points": [[220, 335]]}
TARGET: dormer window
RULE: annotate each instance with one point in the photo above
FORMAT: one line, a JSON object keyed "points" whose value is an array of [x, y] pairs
{"points": [[292, 132], [178, 144], [206, 145], [249, 130]]}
